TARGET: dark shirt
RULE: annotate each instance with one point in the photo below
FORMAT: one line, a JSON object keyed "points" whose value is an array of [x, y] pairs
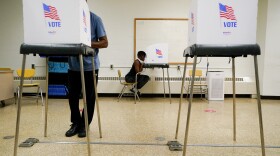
{"points": [[132, 71]]}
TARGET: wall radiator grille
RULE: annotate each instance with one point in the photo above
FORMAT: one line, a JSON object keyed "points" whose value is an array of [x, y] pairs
{"points": [[111, 84], [238, 79], [34, 78]]}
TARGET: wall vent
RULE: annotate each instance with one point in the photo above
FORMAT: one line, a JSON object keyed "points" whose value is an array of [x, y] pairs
{"points": [[239, 79], [111, 84], [110, 78], [34, 78]]}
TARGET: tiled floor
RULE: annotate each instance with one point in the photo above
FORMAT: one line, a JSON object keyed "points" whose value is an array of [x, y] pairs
{"points": [[143, 129]]}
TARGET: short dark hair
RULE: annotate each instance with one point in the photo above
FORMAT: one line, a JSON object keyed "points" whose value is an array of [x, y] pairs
{"points": [[141, 53]]}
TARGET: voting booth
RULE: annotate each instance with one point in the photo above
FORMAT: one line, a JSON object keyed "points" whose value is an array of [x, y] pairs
{"points": [[157, 54], [223, 22], [56, 28], [55, 22], [224, 28]]}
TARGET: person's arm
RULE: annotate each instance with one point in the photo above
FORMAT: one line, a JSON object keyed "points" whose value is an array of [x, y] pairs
{"points": [[138, 66], [101, 43]]}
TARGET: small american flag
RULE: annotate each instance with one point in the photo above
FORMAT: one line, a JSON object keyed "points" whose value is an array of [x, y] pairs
{"points": [[158, 52], [84, 18], [50, 12], [226, 12]]}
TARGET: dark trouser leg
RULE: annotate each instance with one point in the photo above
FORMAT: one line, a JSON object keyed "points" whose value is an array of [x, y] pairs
{"points": [[74, 84], [130, 79], [142, 80], [90, 95]]}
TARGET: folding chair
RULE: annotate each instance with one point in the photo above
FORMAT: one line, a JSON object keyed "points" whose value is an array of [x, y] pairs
{"points": [[127, 84], [29, 74]]}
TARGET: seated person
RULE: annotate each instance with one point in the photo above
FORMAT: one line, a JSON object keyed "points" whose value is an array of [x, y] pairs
{"points": [[137, 67]]}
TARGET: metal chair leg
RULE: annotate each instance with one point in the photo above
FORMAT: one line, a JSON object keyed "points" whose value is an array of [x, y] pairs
{"points": [[37, 94], [42, 98], [121, 93]]}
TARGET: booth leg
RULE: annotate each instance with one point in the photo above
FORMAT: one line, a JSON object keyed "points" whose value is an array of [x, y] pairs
{"points": [[259, 105], [181, 97], [47, 96], [163, 81], [84, 100], [168, 79], [234, 99], [19, 105], [190, 106], [96, 99]]}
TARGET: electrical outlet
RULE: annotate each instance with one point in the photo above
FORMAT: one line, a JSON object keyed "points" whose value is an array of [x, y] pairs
{"points": [[178, 67]]}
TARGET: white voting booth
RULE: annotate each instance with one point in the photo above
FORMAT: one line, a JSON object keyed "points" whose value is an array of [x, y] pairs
{"points": [[223, 22], [56, 28], [222, 28], [157, 54], [54, 22]]}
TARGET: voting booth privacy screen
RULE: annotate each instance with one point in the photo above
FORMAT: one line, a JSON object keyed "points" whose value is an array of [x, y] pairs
{"points": [[56, 22], [157, 54], [223, 22]]}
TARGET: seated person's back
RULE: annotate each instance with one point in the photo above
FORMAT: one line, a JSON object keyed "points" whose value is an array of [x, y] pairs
{"points": [[137, 67]]}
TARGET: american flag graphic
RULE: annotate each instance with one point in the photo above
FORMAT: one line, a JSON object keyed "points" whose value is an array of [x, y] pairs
{"points": [[84, 18], [50, 12], [158, 52], [226, 12]]}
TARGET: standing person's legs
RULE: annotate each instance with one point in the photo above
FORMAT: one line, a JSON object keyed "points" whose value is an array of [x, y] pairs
{"points": [[90, 99], [74, 82]]}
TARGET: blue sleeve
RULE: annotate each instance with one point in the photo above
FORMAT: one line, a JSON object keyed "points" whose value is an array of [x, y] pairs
{"points": [[100, 30]]}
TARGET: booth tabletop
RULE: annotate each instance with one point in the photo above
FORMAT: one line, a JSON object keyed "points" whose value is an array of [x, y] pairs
{"points": [[56, 49], [155, 65], [204, 50]]}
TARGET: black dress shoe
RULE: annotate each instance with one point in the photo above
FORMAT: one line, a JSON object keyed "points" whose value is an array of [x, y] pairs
{"points": [[82, 132], [133, 91], [72, 131]]}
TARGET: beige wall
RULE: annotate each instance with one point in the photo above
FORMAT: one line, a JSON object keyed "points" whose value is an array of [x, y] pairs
{"points": [[118, 18]]}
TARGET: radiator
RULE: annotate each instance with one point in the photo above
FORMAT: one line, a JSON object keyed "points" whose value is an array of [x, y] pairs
{"points": [[244, 85]]}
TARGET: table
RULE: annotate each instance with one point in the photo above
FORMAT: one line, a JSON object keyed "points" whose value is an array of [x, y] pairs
{"points": [[168, 79]]}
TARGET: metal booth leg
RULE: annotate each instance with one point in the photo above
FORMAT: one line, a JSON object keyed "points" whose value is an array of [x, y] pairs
{"points": [[163, 81], [47, 96], [84, 100], [168, 79], [181, 97], [234, 98], [189, 107], [96, 99], [19, 104], [259, 105]]}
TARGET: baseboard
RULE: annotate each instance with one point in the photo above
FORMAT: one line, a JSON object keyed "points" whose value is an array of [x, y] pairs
{"points": [[271, 97]]}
